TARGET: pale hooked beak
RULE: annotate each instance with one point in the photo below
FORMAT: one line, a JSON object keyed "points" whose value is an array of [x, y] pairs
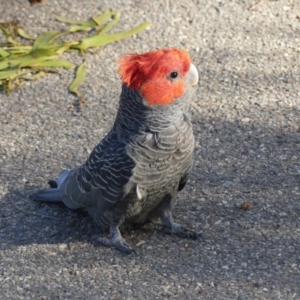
{"points": [[193, 75]]}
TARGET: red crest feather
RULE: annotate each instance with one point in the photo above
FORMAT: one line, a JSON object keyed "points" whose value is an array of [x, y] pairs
{"points": [[148, 72]]}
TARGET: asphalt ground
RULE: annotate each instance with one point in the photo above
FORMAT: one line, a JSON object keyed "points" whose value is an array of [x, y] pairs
{"points": [[246, 122]]}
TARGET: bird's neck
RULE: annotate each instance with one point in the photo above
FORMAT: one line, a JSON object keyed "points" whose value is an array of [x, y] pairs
{"points": [[134, 115]]}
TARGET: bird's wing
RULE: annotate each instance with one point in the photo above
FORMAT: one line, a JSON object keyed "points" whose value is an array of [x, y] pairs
{"points": [[100, 182], [163, 157]]}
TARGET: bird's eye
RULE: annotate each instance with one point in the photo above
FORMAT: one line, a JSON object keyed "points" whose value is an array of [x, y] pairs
{"points": [[174, 75]]}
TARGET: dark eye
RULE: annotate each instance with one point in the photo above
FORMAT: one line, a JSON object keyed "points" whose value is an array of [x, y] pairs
{"points": [[174, 75]]}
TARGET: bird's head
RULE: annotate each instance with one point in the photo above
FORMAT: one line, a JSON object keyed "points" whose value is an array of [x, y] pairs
{"points": [[160, 76]]}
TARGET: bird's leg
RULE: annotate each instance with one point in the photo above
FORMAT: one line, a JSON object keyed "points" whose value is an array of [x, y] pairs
{"points": [[171, 227], [116, 240]]}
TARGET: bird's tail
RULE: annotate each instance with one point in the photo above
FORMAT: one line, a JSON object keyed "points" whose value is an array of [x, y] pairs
{"points": [[54, 193]]}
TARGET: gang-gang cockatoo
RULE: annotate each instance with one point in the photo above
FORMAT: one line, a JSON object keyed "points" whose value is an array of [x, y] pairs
{"points": [[133, 175]]}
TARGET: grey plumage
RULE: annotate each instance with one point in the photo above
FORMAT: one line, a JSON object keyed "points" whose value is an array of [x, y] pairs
{"points": [[133, 175]]}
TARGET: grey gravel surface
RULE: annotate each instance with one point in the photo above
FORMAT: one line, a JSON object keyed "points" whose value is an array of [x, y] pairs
{"points": [[246, 119]]}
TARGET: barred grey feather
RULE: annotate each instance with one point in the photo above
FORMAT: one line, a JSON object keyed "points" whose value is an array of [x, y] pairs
{"points": [[133, 175]]}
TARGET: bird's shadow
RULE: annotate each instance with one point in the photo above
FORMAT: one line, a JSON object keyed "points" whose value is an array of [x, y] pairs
{"points": [[25, 221], [233, 159]]}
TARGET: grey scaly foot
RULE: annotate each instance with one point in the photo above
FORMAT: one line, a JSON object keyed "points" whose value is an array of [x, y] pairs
{"points": [[116, 240], [179, 230], [170, 227]]}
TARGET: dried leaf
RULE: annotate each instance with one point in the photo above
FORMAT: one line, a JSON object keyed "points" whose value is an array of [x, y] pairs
{"points": [[5, 33], [11, 27]]}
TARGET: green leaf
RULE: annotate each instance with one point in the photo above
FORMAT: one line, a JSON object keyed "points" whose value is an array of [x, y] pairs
{"points": [[35, 76], [101, 40], [100, 19], [75, 22], [54, 64], [18, 49], [4, 75], [12, 41], [4, 65], [45, 39], [116, 18], [80, 77], [4, 53], [40, 52], [23, 61], [59, 49], [22, 33], [29, 61], [76, 28]]}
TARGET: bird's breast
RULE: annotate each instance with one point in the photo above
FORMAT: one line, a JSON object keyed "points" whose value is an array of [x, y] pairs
{"points": [[162, 157]]}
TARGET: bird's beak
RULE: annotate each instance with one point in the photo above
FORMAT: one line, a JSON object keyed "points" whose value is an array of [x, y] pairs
{"points": [[192, 75]]}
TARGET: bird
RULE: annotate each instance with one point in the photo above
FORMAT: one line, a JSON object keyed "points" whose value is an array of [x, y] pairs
{"points": [[133, 175]]}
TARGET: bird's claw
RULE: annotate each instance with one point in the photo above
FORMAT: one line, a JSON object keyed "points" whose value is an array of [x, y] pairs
{"points": [[182, 231], [119, 244]]}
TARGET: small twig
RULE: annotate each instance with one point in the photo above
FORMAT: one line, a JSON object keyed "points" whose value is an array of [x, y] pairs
{"points": [[253, 7]]}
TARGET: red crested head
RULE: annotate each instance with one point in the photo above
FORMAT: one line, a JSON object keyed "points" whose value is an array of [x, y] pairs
{"points": [[158, 75]]}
